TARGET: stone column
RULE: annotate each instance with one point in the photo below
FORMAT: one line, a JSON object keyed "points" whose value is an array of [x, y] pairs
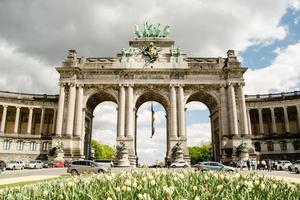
{"points": [[249, 122], [261, 123], [243, 112], [60, 111], [71, 109], [298, 117], [286, 120], [223, 110], [129, 112], [17, 120], [181, 112], [79, 107], [42, 120], [232, 107], [274, 127], [121, 113], [3, 122], [173, 112], [29, 125], [53, 121]]}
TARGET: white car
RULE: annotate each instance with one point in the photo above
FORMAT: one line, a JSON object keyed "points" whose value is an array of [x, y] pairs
{"points": [[292, 166], [181, 163], [283, 164], [35, 164], [15, 164], [106, 163], [297, 168]]}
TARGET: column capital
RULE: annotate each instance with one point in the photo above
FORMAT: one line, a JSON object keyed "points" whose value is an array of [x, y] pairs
{"points": [[30, 108], [231, 84], [122, 85], [241, 84], [172, 85], [18, 107], [129, 85], [62, 84], [80, 85], [222, 85], [71, 84], [4, 106]]}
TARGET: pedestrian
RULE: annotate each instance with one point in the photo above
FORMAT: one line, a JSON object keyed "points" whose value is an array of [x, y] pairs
{"points": [[248, 164], [270, 163], [263, 164]]}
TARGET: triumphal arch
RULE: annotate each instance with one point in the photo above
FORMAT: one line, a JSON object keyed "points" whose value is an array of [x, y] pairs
{"points": [[152, 68]]}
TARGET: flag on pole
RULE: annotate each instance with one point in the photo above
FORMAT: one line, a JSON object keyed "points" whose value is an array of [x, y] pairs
{"points": [[152, 120]]}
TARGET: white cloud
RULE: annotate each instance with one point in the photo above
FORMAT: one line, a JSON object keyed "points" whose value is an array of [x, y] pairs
{"points": [[196, 106], [20, 72], [282, 75], [198, 133]]}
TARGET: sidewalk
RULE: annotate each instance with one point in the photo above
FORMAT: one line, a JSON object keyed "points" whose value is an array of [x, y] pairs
{"points": [[7, 181]]}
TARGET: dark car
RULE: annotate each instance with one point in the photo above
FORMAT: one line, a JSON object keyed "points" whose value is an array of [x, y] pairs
{"points": [[47, 164], [2, 165]]}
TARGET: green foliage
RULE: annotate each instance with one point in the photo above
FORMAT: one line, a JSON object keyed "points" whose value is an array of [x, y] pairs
{"points": [[200, 153], [103, 151]]}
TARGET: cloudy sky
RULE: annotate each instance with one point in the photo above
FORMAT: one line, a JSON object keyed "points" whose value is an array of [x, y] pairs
{"points": [[35, 36]]}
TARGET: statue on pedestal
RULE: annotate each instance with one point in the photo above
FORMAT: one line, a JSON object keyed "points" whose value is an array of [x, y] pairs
{"points": [[177, 153], [121, 159], [57, 152]]}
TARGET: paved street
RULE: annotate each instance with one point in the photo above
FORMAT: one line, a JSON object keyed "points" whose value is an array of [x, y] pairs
{"points": [[33, 172], [9, 176]]}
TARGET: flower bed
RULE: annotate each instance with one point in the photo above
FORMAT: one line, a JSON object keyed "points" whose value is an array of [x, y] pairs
{"points": [[158, 185]]}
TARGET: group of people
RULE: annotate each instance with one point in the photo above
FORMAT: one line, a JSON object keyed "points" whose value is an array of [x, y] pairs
{"points": [[257, 164]]}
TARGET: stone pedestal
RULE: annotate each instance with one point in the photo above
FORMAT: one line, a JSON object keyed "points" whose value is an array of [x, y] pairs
{"points": [[122, 159], [179, 156], [59, 156], [244, 156]]}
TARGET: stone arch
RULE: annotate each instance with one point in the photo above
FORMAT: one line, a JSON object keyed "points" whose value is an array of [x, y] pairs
{"points": [[209, 98], [94, 97], [159, 96]]}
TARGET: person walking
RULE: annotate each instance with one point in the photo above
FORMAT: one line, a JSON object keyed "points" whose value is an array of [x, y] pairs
{"points": [[248, 164]]}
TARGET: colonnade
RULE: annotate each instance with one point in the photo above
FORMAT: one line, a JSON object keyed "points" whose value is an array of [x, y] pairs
{"points": [[17, 119], [281, 110]]}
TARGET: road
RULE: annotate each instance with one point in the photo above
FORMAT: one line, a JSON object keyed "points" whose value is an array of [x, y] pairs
{"points": [[22, 175], [33, 172]]}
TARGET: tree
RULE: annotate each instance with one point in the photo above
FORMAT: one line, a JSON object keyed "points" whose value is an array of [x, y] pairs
{"points": [[103, 151], [200, 153]]}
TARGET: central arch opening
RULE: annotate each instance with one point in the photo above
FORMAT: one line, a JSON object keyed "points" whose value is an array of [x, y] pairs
{"points": [[151, 133], [151, 129]]}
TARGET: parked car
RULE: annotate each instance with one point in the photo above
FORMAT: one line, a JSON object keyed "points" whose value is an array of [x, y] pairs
{"points": [[283, 164], [291, 168], [15, 164], [297, 168], [77, 167], [107, 163], [2, 166], [34, 164], [181, 163], [205, 166], [58, 163], [47, 164]]}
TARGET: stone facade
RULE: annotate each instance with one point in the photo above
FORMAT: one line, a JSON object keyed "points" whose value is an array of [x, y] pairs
{"points": [[275, 125], [129, 80], [27, 125]]}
